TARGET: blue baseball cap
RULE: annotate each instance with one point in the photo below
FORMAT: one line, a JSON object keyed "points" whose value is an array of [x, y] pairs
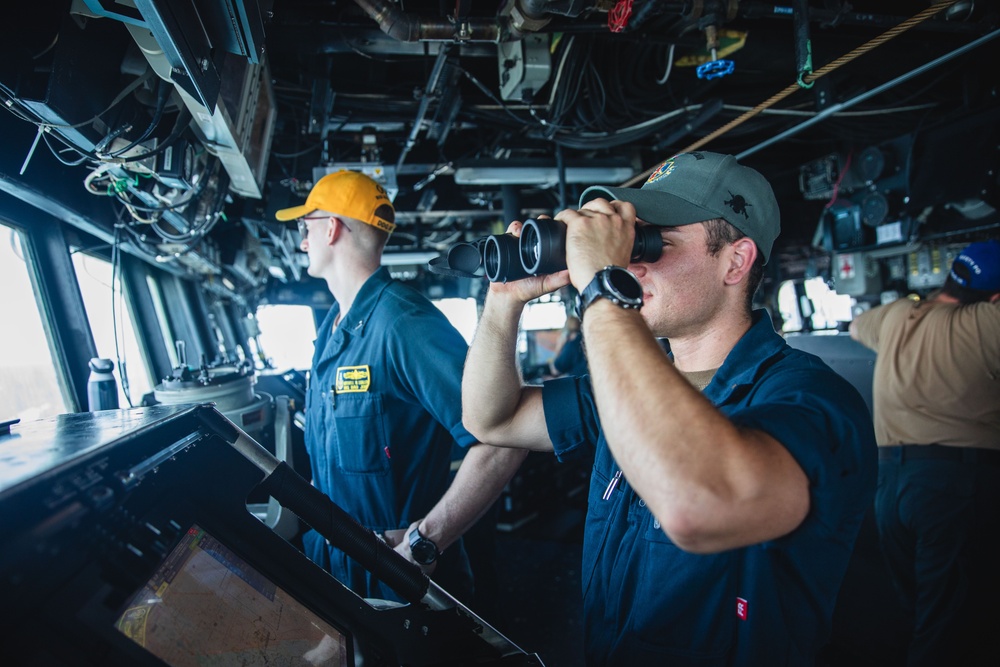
{"points": [[978, 266]]}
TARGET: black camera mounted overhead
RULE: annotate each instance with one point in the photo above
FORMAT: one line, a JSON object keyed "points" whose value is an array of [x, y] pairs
{"points": [[540, 249]]}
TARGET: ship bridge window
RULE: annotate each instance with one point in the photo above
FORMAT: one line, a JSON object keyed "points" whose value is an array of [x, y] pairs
{"points": [[287, 332], [29, 383], [541, 325], [810, 305], [543, 314], [112, 328], [461, 313], [286, 336], [162, 320]]}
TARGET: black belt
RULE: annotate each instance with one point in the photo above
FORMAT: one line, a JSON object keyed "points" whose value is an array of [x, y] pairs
{"points": [[940, 452]]}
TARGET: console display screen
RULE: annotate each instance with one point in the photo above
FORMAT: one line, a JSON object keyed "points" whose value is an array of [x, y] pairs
{"points": [[205, 606]]}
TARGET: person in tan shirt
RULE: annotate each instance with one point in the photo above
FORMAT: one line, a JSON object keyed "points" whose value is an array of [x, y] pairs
{"points": [[936, 395]]}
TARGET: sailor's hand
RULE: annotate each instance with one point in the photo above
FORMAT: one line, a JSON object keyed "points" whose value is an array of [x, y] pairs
{"points": [[395, 537], [598, 235]]}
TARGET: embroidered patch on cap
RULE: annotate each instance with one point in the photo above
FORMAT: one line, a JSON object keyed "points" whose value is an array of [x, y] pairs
{"points": [[662, 171], [353, 379]]}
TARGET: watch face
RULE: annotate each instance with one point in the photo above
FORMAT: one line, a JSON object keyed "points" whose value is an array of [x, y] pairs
{"points": [[625, 284], [424, 551], [614, 283]]}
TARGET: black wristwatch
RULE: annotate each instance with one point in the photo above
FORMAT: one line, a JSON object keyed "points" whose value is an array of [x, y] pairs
{"points": [[424, 550], [614, 283]]}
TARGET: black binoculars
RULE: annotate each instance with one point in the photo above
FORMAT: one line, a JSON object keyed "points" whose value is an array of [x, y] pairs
{"points": [[540, 249]]}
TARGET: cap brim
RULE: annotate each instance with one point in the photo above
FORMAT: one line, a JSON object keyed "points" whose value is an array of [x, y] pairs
{"points": [[652, 206], [293, 213]]}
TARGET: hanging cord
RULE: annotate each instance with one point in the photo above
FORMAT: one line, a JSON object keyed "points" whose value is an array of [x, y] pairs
{"points": [[670, 66], [822, 71], [163, 90], [117, 306], [181, 123]]}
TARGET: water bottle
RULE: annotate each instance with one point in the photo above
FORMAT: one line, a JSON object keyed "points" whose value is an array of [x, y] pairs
{"points": [[102, 390]]}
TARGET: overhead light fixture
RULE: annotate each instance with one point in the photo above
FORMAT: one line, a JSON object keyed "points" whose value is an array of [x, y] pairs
{"points": [[412, 257], [532, 172]]}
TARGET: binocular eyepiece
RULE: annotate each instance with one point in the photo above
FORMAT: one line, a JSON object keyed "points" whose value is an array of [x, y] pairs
{"points": [[541, 249]]}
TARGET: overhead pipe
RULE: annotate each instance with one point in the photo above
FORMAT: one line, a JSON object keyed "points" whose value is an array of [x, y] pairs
{"points": [[533, 15], [412, 28], [844, 106], [516, 18]]}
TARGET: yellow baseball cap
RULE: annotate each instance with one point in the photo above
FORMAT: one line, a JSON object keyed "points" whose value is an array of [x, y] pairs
{"points": [[348, 193]]}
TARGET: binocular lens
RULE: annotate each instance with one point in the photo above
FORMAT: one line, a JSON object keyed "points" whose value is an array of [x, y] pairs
{"points": [[528, 247], [543, 246], [501, 260], [540, 249]]}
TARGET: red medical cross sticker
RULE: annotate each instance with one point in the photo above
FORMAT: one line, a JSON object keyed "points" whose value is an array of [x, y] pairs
{"points": [[742, 609], [846, 266]]}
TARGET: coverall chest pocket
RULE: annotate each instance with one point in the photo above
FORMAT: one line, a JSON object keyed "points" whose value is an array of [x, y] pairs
{"points": [[362, 446]]}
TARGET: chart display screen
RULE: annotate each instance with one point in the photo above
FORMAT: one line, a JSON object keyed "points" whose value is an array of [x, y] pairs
{"points": [[206, 607]]}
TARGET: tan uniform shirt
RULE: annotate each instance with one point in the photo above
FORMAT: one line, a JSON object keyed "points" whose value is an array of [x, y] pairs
{"points": [[937, 376]]}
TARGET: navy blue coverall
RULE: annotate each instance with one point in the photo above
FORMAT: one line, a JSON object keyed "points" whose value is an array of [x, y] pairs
{"points": [[383, 410], [646, 602]]}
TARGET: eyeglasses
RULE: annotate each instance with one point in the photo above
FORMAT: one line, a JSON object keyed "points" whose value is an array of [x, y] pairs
{"points": [[304, 229]]}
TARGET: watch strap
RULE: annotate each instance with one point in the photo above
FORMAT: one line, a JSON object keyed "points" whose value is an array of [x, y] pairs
{"points": [[423, 545], [600, 287]]}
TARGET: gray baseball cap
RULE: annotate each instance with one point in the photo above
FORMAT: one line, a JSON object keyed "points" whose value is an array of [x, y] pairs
{"points": [[698, 186]]}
